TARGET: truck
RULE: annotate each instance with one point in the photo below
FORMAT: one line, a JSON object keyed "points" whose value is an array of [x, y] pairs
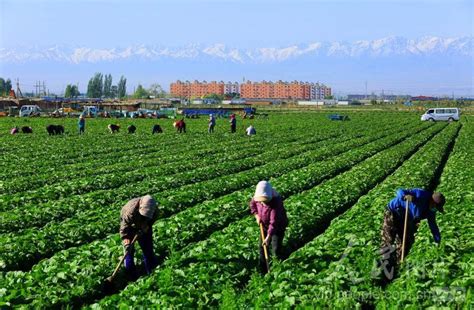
{"points": [[91, 111]]}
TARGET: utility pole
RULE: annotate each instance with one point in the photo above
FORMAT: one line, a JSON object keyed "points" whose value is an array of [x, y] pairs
{"points": [[18, 90]]}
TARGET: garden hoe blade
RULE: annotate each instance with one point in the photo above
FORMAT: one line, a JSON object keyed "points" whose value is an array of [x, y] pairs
{"points": [[108, 285]]}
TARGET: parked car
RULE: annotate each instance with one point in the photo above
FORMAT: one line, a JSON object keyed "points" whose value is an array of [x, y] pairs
{"points": [[29, 110], [441, 114]]}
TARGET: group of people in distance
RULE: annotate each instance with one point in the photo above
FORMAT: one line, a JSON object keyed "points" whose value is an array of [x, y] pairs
{"points": [[179, 125], [267, 206]]}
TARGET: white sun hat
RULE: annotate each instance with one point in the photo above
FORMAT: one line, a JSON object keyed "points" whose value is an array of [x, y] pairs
{"points": [[263, 192]]}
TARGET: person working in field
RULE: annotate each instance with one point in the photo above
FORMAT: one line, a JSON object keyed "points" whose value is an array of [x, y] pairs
{"points": [[180, 126], [251, 131], [81, 124], [211, 124], [137, 218], [233, 123], [267, 207], [422, 205]]}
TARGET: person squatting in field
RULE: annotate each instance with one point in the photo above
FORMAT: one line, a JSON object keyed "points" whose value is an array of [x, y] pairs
{"points": [[251, 131], [422, 205], [233, 123], [156, 129], [137, 217], [14, 130], [267, 207], [180, 126], [211, 124]]}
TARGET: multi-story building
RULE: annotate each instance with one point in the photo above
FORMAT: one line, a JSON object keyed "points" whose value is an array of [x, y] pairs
{"points": [[253, 90], [199, 89], [231, 88]]}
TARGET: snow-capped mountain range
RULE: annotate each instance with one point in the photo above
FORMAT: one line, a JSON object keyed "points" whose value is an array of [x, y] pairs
{"points": [[386, 47]]}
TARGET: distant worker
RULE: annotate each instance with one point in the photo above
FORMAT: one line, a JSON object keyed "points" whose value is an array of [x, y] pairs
{"points": [[251, 131], [267, 207], [233, 123], [131, 129], [211, 124], [26, 129], [113, 128], [82, 124], [137, 218], [180, 126], [422, 205], [14, 130], [156, 129]]}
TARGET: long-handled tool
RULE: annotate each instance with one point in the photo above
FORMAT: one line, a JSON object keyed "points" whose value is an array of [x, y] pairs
{"points": [[111, 278], [265, 252], [405, 230]]}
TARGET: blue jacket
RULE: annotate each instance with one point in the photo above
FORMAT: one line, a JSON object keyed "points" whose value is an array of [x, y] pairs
{"points": [[418, 210]]}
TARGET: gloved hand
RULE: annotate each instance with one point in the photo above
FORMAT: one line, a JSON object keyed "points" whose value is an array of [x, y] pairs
{"points": [[127, 248], [408, 198]]}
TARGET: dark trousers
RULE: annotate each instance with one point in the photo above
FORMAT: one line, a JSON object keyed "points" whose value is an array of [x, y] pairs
{"points": [[392, 240], [149, 259], [211, 128], [273, 249], [233, 128]]}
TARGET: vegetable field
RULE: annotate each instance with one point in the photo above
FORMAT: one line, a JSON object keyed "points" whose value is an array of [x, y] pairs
{"points": [[60, 201]]}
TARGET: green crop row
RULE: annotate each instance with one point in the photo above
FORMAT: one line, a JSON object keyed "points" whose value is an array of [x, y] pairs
{"points": [[198, 275], [150, 168], [86, 225], [77, 161], [199, 222], [117, 162], [443, 276], [338, 268]]}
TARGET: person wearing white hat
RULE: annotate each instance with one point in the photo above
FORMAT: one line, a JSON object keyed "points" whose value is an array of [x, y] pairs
{"points": [[137, 217], [250, 131], [212, 123], [267, 207]]}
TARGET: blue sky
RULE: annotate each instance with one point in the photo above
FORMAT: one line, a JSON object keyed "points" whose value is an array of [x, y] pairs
{"points": [[245, 24], [107, 23]]}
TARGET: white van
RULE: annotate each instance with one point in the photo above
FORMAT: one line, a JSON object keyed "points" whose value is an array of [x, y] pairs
{"points": [[441, 114], [30, 110]]}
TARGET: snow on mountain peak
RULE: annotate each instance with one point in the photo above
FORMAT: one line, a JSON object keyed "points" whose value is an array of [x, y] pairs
{"points": [[384, 47]]}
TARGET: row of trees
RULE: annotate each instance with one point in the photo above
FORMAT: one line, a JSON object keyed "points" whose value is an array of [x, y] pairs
{"points": [[5, 87], [100, 86], [155, 91]]}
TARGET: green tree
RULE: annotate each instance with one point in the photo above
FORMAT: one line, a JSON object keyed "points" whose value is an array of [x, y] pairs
{"points": [[140, 93], [67, 92], [8, 86], [156, 90], [71, 91], [114, 91], [122, 87], [2, 87], [108, 86], [95, 87]]}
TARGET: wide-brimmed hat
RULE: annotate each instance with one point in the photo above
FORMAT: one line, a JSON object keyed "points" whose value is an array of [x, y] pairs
{"points": [[263, 192], [147, 206], [439, 200]]}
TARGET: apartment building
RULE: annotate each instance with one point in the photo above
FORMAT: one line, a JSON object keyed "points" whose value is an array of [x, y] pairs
{"points": [[297, 90], [231, 88]]}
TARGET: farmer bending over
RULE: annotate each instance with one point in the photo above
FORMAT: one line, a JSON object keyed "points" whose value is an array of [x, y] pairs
{"points": [[137, 217], [422, 205], [267, 207]]}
